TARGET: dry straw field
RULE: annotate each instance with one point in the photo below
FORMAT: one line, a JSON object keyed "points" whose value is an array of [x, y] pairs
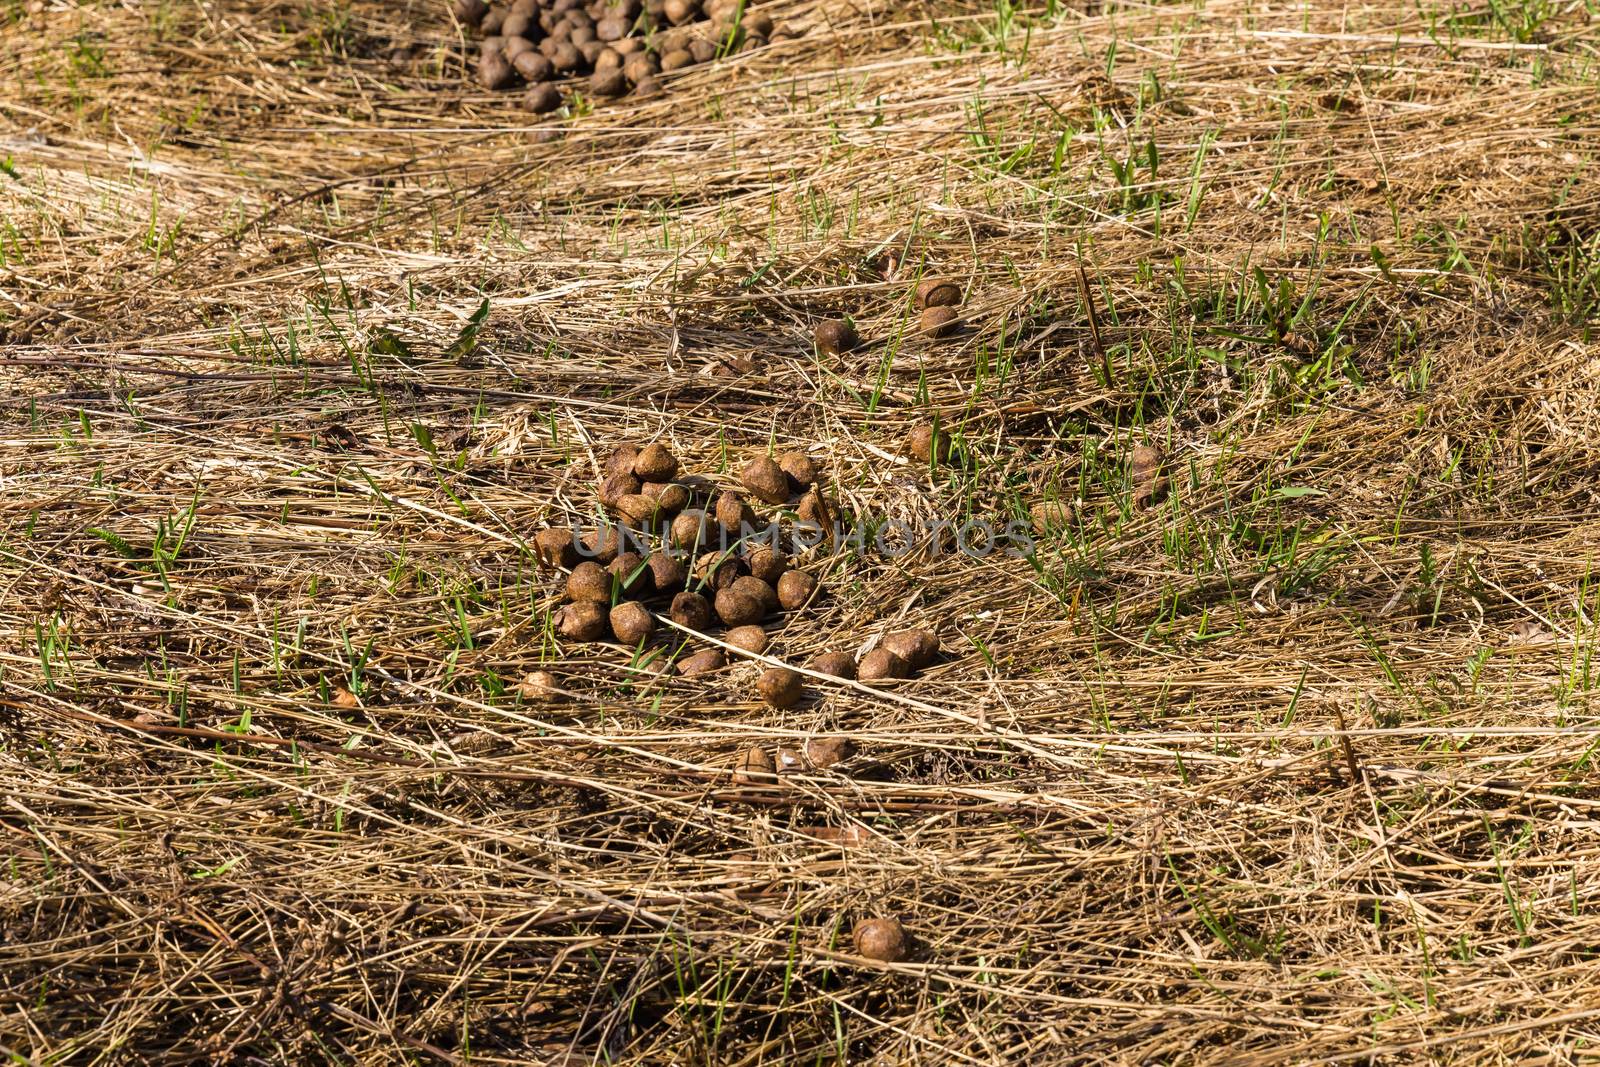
{"points": [[1289, 758]]}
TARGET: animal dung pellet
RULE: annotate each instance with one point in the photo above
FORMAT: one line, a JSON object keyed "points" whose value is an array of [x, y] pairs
{"points": [[927, 445], [589, 583], [540, 686], [676, 59], [655, 464], [631, 622], [799, 469], [647, 86], [766, 480], [601, 544], [938, 322], [733, 514], [918, 647], [343, 698], [537, 69], [751, 639], [666, 571], [582, 621], [632, 574], [835, 664], [691, 610], [883, 940], [879, 664], [494, 70], [621, 461], [795, 589], [754, 766], [615, 487], [471, 12], [835, 337], [1048, 516], [610, 82], [815, 509], [702, 50], [691, 528], [938, 292], [513, 47], [781, 687], [556, 547], [718, 570], [702, 663], [752, 586], [1144, 472], [737, 608], [671, 496], [767, 564], [823, 752], [638, 511]]}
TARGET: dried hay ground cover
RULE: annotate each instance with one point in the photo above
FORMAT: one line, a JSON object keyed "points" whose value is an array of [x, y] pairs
{"points": [[302, 346]]}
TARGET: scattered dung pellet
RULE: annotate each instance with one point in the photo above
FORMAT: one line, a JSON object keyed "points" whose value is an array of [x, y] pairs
{"points": [[918, 647], [612, 28], [631, 575], [823, 752], [702, 663], [540, 687], [752, 639], [608, 82], [655, 464], [589, 582], [1144, 472], [565, 57], [702, 50], [718, 571], [343, 698], [582, 621], [666, 571], [880, 664], [1048, 516], [754, 767], [795, 589], [752, 586], [621, 461], [767, 564], [938, 292], [733, 514], [926, 445], [836, 664], [835, 337], [631, 622], [494, 70], [815, 509], [781, 687], [691, 610], [515, 47], [601, 544], [471, 12], [556, 547], [799, 469], [766, 480], [691, 529], [736, 608], [638, 511], [536, 68], [615, 487], [881, 939], [671, 496], [676, 59], [492, 21], [647, 86], [641, 66], [680, 11], [938, 322], [790, 760]]}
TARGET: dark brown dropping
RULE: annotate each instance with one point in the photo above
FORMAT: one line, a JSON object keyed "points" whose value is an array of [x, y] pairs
{"points": [[733, 514], [795, 590], [691, 530], [923, 444], [691, 610], [586, 621], [1048, 516], [638, 511], [518, 24], [672, 497], [790, 760], [535, 68], [590, 51], [608, 82], [702, 50], [938, 292], [676, 59], [758, 22], [752, 586], [1144, 462], [781, 687], [582, 34], [938, 322], [752, 639], [610, 60], [736, 608], [628, 47], [601, 544], [702, 663], [823, 752], [632, 622], [516, 47], [666, 571], [836, 664], [754, 767], [565, 57], [918, 647], [835, 337], [540, 687], [632, 574], [491, 45], [471, 12], [542, 98], [655, 463], [492, 21], [680, 11], [879, 664], [621, 461], [556, 547], [883, 940], [647, 87], [767, 564], [589, 582], [613, 28], [816, 509], [799, 469], [614, 488], [641, 66], [718, 571], [494, 71], [766, 480]]}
